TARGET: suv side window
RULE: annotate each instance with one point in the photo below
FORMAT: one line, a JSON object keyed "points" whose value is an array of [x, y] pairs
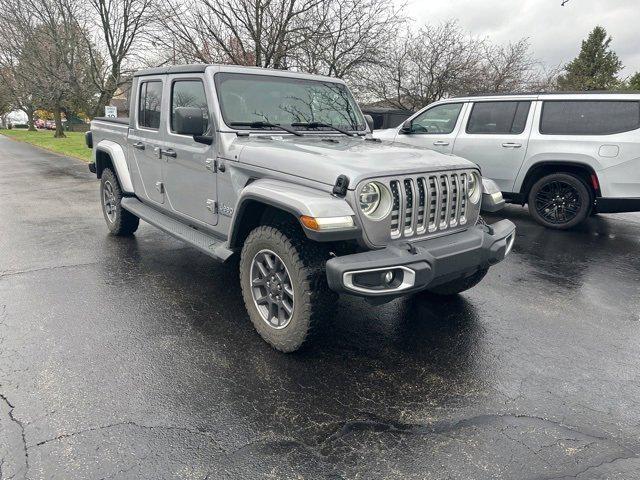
{"points": [[149, 104], [597, 117], [502, 118], [188, 93], [437, 120]]}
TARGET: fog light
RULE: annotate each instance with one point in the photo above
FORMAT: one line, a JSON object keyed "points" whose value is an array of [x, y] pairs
{"points": [[388, 277]]}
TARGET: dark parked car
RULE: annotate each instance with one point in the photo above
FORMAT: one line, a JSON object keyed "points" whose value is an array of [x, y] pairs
{"points": [[386, 117]]}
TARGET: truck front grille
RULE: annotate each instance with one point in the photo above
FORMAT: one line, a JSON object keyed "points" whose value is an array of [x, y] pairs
{"points": [[428, 204]]}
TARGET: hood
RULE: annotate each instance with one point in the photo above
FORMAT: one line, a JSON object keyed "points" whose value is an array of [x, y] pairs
{"points": [[323, 158]]}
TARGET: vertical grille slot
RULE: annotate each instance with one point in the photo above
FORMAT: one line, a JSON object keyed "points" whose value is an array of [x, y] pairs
{"points": [[445, 199], [421, 221], [434, 201], [408, 207], [462, 216], [395, 209], [453, 207]]}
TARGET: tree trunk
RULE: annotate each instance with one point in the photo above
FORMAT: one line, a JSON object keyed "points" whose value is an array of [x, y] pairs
{"points": [[30, 121], [57, 116]]}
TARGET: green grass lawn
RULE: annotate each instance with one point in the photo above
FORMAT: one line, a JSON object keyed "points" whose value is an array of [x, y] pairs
{"points": [[72, 146]]}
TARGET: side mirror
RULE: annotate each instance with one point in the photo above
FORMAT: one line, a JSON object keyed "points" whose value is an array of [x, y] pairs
{"points": [[370, 121], [189, 121], [406, 127]]}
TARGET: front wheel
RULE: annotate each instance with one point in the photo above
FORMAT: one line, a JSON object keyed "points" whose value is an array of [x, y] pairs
{"points": [[119, 221], [560, 201], [284, 285]]}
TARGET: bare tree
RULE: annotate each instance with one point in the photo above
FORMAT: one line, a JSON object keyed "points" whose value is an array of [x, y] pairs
{"points": [[423, 67], [44, 44], [506, 68], [350, 34], [243, 32], [110, 46]]}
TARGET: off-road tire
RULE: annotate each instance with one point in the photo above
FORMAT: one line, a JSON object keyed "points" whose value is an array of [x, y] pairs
{"points": [[584, 193], [459, 285], [124, 223], [305, 262]]}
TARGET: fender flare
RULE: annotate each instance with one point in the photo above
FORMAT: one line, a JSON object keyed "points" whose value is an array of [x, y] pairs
{"points": [[119, 160], [295, 199]]}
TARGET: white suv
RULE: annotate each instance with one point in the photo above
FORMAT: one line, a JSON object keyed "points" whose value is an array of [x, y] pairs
{"points": [[566, 155]]}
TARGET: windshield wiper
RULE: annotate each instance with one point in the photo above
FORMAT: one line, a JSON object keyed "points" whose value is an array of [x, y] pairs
{"points": [[261, 124], [323, 125]]}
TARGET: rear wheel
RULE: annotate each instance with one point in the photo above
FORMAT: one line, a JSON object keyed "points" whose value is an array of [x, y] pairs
{"points": [[119, 221], [560, 201], [284, 285]]}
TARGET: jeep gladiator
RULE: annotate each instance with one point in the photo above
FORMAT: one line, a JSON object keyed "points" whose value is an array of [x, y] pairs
{"points": [[280, 170]]}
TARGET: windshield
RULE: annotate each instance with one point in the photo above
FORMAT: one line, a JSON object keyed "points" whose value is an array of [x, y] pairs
{"points": [[246, 98]]}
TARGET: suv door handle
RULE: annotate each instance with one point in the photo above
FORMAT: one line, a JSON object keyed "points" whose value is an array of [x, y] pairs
{"points": [[139, 145], [170, 152], [440, 143], [511, 145]]}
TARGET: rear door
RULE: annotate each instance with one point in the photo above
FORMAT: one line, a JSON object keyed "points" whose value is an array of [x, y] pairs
{"points": [[495, 136], [145, 137], [435, 128], [190, 169]]}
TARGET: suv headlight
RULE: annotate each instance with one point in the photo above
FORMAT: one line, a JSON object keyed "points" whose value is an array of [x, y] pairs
{"points": [[474, 189], [375, 200]]}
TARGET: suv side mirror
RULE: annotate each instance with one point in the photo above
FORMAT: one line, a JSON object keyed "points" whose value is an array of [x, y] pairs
{"points": [[406, 127], [189, 121], [370, 121]]}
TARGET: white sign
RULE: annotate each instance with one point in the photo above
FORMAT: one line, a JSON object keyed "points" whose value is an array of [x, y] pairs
{"points": [[110, 112]]}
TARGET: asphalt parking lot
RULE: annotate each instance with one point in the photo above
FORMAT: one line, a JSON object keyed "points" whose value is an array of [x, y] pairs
{"points": [[134, 358]]}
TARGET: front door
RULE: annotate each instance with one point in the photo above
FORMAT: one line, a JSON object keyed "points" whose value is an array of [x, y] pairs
{"points": [[145, 138], [190, 175], [435, 128], [495, 136]]}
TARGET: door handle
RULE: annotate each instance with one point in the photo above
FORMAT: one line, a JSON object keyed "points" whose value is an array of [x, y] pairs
{"points": [[440, 143], [511, 145], [138, 145], [169, 152]]}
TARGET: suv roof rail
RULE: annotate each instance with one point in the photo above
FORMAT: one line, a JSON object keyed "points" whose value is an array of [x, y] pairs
{"points": [[556, 92]]}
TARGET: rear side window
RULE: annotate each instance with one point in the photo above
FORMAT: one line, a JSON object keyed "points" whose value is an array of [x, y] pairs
{"points": [[598, 117], [508, 118], [188, 93], [149, 104]]}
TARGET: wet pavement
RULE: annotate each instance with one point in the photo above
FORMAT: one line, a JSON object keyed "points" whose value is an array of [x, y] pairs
{"points": [[134, 358]]}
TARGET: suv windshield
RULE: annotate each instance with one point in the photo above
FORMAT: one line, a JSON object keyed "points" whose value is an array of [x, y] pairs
{"points": [[246, 98]]}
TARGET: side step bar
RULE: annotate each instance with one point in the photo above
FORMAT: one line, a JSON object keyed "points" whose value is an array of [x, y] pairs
{"points": [[204, 242]]}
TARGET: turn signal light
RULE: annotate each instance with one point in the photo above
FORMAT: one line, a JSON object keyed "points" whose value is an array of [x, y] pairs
{"points": [[326, 223]]}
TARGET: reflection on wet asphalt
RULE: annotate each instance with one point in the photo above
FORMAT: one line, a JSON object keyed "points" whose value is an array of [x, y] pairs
{"points": [[134, 358]]}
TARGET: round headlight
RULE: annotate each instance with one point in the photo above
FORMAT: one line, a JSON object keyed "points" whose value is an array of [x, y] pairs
{"points": [[375, 200], [474, 189], [369, 198]]}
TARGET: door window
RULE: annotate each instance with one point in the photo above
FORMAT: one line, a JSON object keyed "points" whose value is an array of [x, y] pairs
{"points": [[189, 93], [501, 118], [598, 117], [437, 120], [149, 104]]}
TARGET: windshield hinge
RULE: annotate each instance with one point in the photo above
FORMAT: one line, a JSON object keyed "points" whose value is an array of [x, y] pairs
{"points": [[341, 186]]}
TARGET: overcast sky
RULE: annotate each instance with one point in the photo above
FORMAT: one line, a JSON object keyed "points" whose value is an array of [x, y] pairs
{"points": [[554, 32]]}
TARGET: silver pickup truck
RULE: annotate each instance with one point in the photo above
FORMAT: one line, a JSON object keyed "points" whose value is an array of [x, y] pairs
{"points": [[280, 169]]}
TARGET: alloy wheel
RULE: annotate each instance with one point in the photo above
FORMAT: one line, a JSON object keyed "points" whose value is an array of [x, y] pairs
{"points": [[272, 289], [558, 202]]}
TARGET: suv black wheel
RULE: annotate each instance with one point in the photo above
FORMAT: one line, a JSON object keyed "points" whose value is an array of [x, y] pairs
{"points": [[560, 201], [120, 222], [459, 285], [284, 285]]}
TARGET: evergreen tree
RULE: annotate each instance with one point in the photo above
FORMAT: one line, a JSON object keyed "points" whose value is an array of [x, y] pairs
{"points": [[634, 81], [595, 68]]}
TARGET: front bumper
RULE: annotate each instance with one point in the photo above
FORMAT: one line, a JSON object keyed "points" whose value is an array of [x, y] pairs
{"points": [[421, 264]]}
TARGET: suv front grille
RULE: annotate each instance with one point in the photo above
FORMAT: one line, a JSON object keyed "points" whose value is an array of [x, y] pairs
{"points": [[428, 204]]}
